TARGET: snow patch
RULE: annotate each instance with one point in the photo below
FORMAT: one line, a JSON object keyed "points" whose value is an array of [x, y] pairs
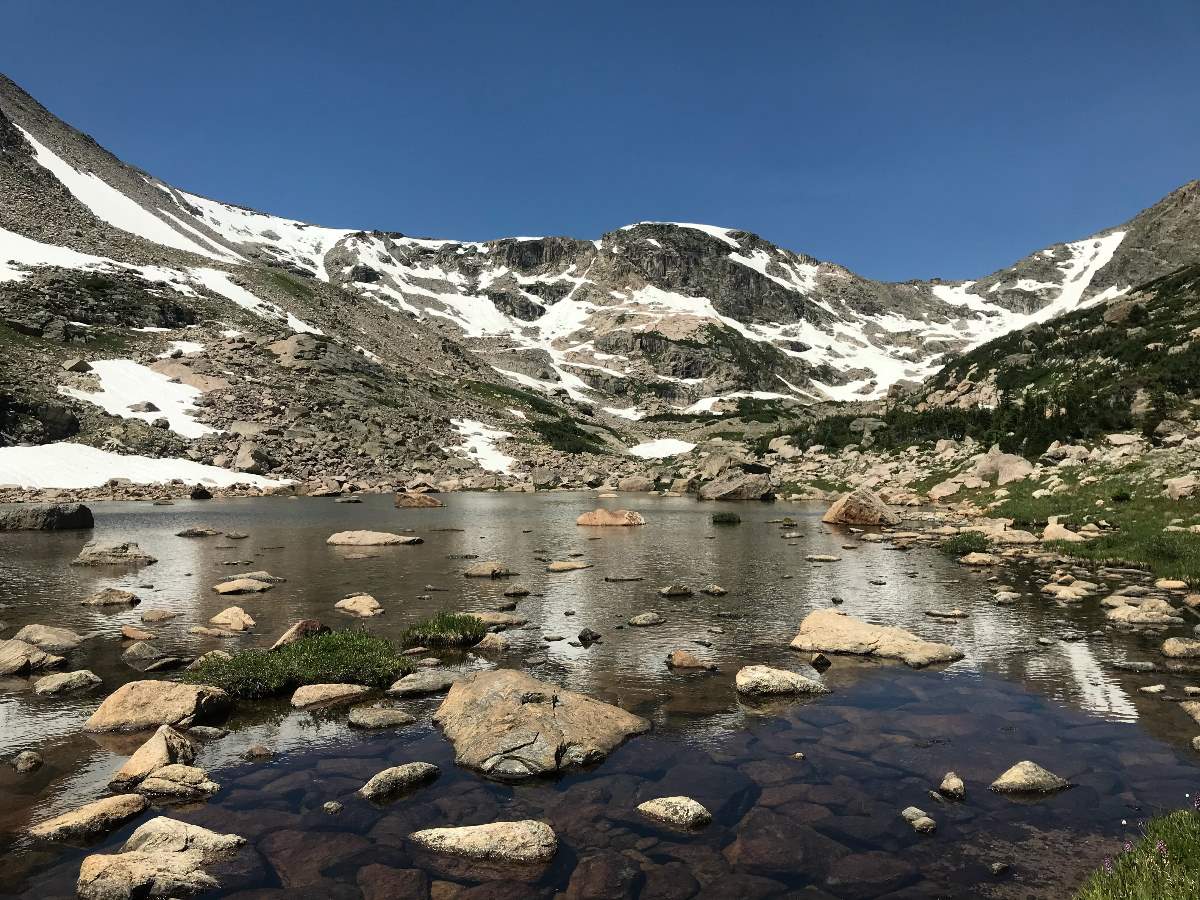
{"points": [[124, 382], [480, 445], [661, 448]]}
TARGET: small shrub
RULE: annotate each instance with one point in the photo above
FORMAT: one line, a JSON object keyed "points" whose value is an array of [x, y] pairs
{"points": [[726, 518], [1122, 497], [966, 542], [350, 657], [445, 630], [1160, 866]]}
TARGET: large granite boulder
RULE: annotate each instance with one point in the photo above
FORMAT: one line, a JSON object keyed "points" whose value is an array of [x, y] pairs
{"points": [[510, 726], [52, 517], [861, 506], [147, 704], [738, 485], [764, 681], [828, 631]]}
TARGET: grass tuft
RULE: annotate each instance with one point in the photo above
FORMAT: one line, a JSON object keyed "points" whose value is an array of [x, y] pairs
{"points": [[445, 630], [351, 657], [966, 542], [1163, 865]]}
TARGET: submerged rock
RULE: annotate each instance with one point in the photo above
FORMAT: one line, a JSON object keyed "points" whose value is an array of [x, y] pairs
{"points": [[646, 619], [829, 631], [488, 569], [525, 841], [111, 597], [398, 778], [570, 565], [379, 717], [682, 812], [1028, 778], [511, 726]]}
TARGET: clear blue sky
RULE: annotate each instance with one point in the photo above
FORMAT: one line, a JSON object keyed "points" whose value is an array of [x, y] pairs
{"points": [[903, 139]]}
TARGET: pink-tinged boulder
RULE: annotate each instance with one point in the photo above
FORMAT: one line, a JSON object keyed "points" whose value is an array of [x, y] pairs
{"points": [[860, 507], [611, 518]]}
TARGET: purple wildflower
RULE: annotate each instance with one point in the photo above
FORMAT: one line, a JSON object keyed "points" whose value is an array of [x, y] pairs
{"points": [[1161, 848], [1128, 847], [1108, 865]]}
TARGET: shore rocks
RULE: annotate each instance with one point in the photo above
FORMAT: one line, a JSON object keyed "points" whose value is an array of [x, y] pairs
{"points": [[49, 638], [606, 518], [1028, 778], [326, 694], [682, 812], [370, 539], [828, 631], [398, 778], [91, 819], [162, 858], [66, 682], [511, 726], [860, 507], [410, 500], [21, 658], [165, 747], [148, 704], [525, 841], [764, 681], [362, 605], [738, 485], [47, 517], [108, 553]]}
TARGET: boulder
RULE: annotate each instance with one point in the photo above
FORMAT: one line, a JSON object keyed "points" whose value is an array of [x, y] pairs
{"points": [[419, 683], [234, 618], [601, 518], [362, 605], [139, 705], [327, 694], [379, 717], [526, 841], [371, 539], [491, 643], [409, 500], [682, 812], [1178, 648], [21, 658], [110, 553], [828, 631], [90, 820], [646, 619], [49, 638], [242, 586], [165, 746], [976, 558], [1028, 778], [1179, 488], [111, 597], [162, 858], [488, 569], [298, 631], [1056, 532], [497, 620], [952, 787], [65, 682], [52, 517], [686, 659], [511, 726], [567, 565], [738, 485], [1149, 613], [764, 681], [860, 507], [635, 484], [392, 781], [178, 782]]}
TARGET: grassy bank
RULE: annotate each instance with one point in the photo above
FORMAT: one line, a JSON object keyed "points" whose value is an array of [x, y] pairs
{"points": [[1131, 500], [1163, 865]]}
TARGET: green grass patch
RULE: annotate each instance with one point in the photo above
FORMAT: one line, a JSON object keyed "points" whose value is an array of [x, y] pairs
{"points": [[566, 436], [445, 630], [290, 284], [1163, 865], [726, 518], [351, 657], [966, 542]]}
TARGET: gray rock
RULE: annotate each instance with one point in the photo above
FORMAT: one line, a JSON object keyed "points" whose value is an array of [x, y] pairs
{"points": [[54, 517], [393, 780], [66, 682], [379, 717]]}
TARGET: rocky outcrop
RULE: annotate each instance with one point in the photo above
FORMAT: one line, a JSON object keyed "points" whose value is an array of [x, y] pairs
{"points": [[510, 726], [610, 517], [52, 517], [738, 485], [860, 507], [828, 631], [149, 704], [526, 841]]}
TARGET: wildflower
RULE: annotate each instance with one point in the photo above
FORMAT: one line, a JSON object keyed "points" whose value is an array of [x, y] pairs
{"points": [[1128, 847], [1108, 865], [1161, 849]]}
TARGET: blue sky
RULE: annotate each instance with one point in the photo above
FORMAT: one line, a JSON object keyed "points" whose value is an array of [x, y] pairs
{"points": [[902, 139]]}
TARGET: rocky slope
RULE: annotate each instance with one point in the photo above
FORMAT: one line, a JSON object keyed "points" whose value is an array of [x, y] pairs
{"points": [[377, 357]]}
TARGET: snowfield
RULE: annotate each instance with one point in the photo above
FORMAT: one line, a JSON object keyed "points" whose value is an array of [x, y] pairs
{"points": [[480, 445], [661, 448], [124, 382], [74, 466]]}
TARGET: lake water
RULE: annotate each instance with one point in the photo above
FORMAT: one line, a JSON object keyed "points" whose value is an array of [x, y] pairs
{"points": [[825, 826]]}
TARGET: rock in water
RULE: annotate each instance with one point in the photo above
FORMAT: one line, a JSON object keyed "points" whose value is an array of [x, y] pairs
{"points": [[165, 747], [111, 597], [300, 630], [682, 812], [685, 659], [54, 517], [122, 553], [646, 619], [92, 819], [829, 631], [49, 638], [242, 586], [1028, 778], [148, 704], [764, 681], [370, 539], [362, 605], [488, 569], [738, 485], [408, 500], [21, 658], [379, 717], [526, 841], [952, 786], [162, 858], [611, 518], [1173, 648], [65, 682], [178, 782], [323, 694], [860, 507], [398, 778], [511, 726]]}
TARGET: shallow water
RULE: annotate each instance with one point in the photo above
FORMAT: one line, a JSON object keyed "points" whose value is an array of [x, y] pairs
{"points": [[825, 826]]}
